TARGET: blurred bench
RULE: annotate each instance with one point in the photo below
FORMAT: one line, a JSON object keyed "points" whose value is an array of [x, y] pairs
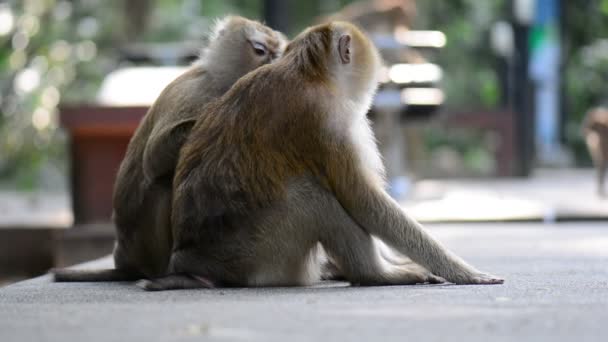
{"points": [[501, 122]]}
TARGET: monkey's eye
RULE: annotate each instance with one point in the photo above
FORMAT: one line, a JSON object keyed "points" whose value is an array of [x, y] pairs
{"points": [[259, 48]]}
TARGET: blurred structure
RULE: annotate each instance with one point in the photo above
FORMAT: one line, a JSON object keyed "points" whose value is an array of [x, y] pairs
{"points": [[545, 61], [409, 89]]}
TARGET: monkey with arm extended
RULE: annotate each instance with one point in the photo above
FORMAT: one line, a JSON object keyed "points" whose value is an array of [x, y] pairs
{"points": [[595, 130], [142, 193], [293, 162]]}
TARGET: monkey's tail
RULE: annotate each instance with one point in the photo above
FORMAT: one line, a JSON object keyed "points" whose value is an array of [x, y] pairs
{"points": [[68, 275]]}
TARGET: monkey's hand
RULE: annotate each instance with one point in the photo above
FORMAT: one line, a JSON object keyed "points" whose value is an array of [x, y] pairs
{"points": [[478, 279], [419, 274], [162, 149]]}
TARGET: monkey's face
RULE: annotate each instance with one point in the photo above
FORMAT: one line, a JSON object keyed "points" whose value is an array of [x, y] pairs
{"points": [[265, 45], [243, 45]]}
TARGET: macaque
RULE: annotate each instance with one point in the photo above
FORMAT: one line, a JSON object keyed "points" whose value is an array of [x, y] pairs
{"points": [[286, 161], [595, 129], [142, 193]]}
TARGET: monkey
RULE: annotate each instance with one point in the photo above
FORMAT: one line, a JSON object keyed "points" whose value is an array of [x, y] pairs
{"points": [[142, 192], [286, 160], [595, 130]]}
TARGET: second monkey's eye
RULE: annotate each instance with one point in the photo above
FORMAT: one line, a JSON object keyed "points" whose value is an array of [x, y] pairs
{"points": [[259, 48]]}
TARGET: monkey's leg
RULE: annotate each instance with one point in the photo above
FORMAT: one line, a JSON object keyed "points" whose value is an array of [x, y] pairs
{"points": [[602, 166], [331, 271], [596, 146], [356, 255], [354, 252]]}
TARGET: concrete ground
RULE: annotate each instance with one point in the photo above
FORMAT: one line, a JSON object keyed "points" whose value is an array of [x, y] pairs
{"points": [[548, 195], [556, 290]]}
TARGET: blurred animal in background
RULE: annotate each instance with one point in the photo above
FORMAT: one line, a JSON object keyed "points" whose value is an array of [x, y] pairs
{"points": [[287, 159], [377, 15], [595, 129], [142, 193]]}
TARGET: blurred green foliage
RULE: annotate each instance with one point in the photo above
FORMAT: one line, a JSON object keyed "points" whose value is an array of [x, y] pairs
{"points": [[470, 79], [585, 66], [48, 51]]}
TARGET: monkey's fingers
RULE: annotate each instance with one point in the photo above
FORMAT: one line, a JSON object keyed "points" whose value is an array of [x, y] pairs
{"points": [[483, 279], [433, 279], [175, 282]]}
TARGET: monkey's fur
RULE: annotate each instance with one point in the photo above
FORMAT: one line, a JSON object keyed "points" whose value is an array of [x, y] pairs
{"points": [[595, 129], [286, 159], [142, 193]]}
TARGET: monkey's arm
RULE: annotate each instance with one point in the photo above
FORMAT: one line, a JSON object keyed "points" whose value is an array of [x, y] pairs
{"points": [[360, 192], [162, 149]]}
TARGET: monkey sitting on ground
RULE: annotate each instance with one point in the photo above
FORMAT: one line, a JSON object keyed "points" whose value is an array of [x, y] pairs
{"points": [[142, 193], [287, 159], [595, 129]]}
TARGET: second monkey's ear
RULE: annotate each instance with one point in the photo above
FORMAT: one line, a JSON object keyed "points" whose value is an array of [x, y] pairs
{"points": [[344, 48]]}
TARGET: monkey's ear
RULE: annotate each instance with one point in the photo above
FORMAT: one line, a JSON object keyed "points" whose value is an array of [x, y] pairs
{"points": [[344, 48]]}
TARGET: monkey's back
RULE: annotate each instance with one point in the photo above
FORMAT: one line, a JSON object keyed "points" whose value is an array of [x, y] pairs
{"points": [[141, 207], [241, 156], [130, 188]]}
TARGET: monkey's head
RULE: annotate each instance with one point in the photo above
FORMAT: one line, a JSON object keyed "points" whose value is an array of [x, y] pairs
{"points": [[340, 51], [238, 45]]}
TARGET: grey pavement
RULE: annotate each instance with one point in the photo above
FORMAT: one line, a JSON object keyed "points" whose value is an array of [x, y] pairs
{"points": [[556, 290], [548, 195], [25, 210]]}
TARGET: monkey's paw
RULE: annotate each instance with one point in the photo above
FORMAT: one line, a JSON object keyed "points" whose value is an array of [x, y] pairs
{"points": [[483, 279], [415, 274], [433, 279], [149, 285]]}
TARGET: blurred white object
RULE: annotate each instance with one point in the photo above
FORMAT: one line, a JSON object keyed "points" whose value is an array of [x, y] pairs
{"points": [[420, 38], [502, 39], [415, 73], [136, 86], [422, 96], [524, 11], [7, 20]]}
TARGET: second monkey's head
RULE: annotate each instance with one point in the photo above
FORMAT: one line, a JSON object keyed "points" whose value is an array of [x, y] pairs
{"points": [[238, 45], [337, 53]]}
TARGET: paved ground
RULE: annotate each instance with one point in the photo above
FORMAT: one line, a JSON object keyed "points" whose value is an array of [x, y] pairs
{"points": [[24, 210], [548, 195], [556, 290]]}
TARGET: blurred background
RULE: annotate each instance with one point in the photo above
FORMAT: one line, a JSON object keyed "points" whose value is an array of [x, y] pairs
{"points": [[479, 118]]}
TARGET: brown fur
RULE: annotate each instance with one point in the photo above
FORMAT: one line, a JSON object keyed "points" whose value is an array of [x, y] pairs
{"points": [[257, 190], [142, 193], [595, 129]]}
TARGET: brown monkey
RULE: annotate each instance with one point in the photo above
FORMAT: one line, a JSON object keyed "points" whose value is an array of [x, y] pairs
{"points": [[293, 162], [595, 129], [142, 193]]}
